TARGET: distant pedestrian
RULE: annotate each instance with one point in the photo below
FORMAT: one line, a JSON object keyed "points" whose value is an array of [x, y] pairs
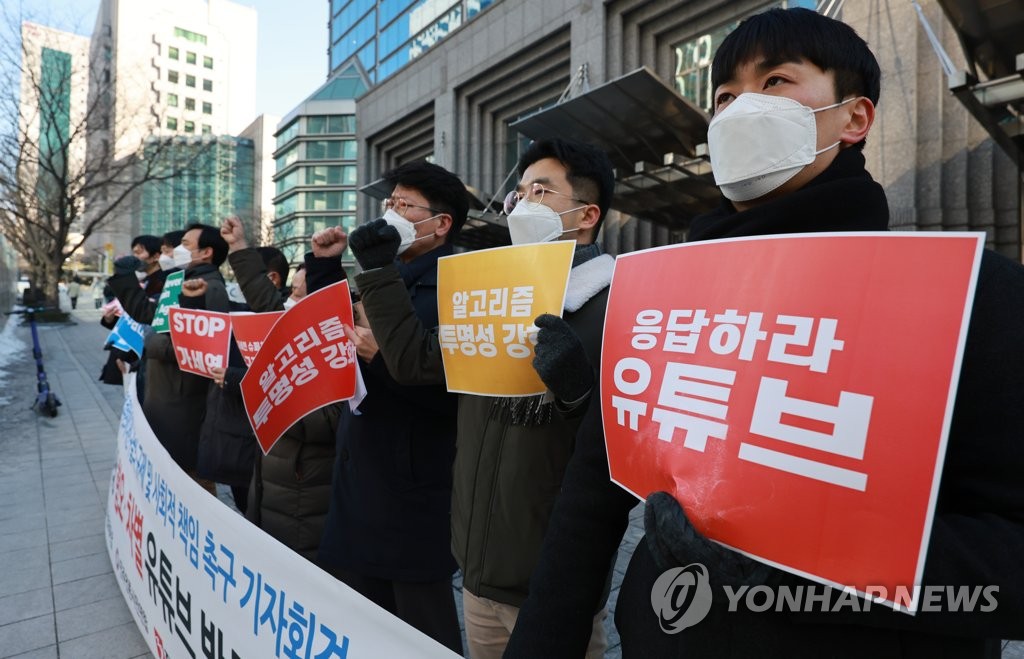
{"points": [[97, 292], [74, 288]]}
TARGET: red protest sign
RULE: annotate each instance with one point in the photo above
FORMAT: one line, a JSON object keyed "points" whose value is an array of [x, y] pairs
{"points": [[201, 339], [250, 330], [305, 363], [793, 392]]}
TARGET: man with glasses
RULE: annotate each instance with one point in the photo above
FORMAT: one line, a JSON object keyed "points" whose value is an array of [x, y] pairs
{"points": [[512, 452], [387, 530]]}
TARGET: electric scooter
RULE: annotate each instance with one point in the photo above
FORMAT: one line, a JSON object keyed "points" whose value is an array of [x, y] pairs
{"points": [[46, 401]]}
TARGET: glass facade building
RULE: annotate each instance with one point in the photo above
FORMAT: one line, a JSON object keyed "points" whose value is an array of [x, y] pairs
{"points": [[315, 165], [386, 34], [216, 180]]}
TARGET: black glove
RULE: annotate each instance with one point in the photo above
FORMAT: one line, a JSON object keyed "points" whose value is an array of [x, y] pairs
{"points": [[560, 361], [673, 542], [127, 265], [374, 245]]}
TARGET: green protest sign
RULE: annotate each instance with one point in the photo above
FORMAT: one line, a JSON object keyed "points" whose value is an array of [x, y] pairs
{"points": [[169, 297]]}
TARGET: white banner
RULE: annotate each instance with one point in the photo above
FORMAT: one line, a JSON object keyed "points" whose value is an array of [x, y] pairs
{"points": [[202, 581]]}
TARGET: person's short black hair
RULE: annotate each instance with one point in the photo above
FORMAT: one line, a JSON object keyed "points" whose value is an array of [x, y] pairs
{"points": [[587, 168], [789, 35], [442, 190], [274, 261], [210, 237], [173, 238], [149, 243]]}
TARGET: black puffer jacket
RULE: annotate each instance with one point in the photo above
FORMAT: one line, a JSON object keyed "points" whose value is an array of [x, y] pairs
{"points": [[290, 487]]}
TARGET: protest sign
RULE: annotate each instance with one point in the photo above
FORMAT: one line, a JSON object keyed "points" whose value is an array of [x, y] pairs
{"points": [[486, 303], [305, 363], [168, 297], [128, 335], [793, 392], [201, 339], [251, 330], [201, 581]]}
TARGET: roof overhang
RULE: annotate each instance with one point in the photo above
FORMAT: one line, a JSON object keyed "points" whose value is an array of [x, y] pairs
{"points": [[653, 137], [992, 35]]}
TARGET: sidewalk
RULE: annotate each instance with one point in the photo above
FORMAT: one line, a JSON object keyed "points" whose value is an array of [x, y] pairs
{"points": [[58, 594]]}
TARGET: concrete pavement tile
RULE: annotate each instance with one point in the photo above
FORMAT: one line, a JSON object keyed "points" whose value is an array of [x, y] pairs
{"points": [[22, 539], [90, 618], [14, 581], [81, 567], [93, 544], [27, 522], [26, 635], [49, 652], [120, 642], [30, 558], [1013, 650], [23, 606], [84, 591], [72, 531]]}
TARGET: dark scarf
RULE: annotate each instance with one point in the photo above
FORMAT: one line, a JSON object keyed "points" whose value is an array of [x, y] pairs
{"points": [[844, 197], [532, 410]]}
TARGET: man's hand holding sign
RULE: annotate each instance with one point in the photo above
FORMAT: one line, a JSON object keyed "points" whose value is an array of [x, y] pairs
{"points": [[201, 338]]}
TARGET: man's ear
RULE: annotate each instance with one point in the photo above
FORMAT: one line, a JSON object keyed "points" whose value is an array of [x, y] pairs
{"points": [[862, 116], [275, 279], [591, 215], [444, 225]]}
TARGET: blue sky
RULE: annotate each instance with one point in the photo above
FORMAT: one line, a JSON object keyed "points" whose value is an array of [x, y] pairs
{"points": [[291, 49]]}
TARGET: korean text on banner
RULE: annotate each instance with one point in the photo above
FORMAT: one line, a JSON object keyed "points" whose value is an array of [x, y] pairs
{"points": [[201, 339], [250, 330], [128, 335], [793, 392], [305, 363], [201, 581], [486, 304], [168, 297]]}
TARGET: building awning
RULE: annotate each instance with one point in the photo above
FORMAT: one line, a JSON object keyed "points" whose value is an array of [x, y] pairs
{"points": [[992, 35], [652, 136]]}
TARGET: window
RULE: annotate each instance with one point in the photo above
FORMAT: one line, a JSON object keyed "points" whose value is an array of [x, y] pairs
{"points": [[288, 133], [172, 52], [317, 125], [172, 100], [207, 108], [190, 104], [331, 175], [190, 57], [207, 129], [194, 37], [207, 85], [172, 76], [190, 126], [190, 81], [331, 150], [287, 158], [172, 123], [207, 62]]}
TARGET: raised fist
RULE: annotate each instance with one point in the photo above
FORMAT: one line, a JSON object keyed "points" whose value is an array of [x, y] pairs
{"points": [[233, 233], [330, 242]]}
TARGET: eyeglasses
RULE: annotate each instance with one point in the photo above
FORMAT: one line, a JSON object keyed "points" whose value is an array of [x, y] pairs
{"points": [[534, 193], [399, 205]]}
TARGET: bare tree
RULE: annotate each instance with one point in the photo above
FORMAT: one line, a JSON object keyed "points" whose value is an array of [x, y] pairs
{"points": [[66, 167]]}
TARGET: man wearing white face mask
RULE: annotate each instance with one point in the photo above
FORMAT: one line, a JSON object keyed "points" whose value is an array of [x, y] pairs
{"points": [[499, 517], [795, 95], [387, 529]]}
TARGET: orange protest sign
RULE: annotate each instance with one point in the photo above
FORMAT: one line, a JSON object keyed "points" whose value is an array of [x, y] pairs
{"points": [[201, 339], [305, 363], [486, 303], [793, 392], [250, 330]]}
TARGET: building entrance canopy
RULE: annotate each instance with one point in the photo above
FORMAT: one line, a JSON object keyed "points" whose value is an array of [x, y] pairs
{"points": [[992, 35], [654, 138]]}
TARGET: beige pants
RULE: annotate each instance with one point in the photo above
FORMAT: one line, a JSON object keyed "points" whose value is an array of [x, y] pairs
{"points": [[489, 625]]}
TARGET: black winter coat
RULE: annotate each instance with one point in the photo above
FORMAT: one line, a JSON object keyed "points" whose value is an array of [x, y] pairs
{"points": [[290, 487], [391, 494]]}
